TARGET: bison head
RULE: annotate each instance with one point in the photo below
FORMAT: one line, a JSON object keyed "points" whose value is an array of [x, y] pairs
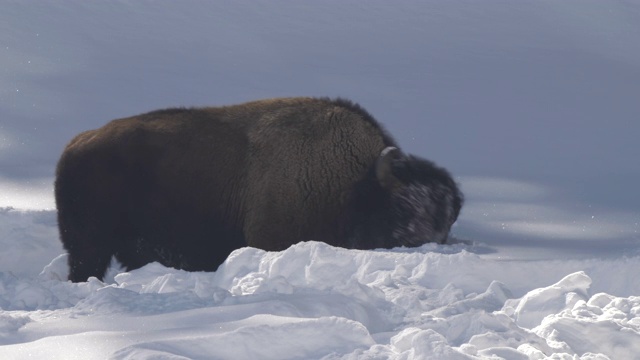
{"points": [[424, 199]]}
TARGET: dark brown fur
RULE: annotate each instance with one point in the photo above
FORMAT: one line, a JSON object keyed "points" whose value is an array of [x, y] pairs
{"points": [[185, 187]]}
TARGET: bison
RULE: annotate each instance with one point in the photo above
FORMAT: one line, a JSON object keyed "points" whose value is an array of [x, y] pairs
{"points": [[186, 187]]}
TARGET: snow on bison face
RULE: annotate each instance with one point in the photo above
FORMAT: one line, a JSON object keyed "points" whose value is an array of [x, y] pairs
{"points": [[424, 201], [424, 214]]}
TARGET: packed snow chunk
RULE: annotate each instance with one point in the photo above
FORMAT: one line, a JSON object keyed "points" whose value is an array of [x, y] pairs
{"points": [[536, 304], [57, 269], [491, 300], [259, 337], [414, 343], [240, 263], [311, 269], [502, 353], [9, 326], [113, 300], [41, 294], [257, 282], [603, 325], [311, 265], [154, 278], [474, 320], [497, 330]]}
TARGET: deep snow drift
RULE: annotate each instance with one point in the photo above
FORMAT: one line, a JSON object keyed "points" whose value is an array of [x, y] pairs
{"points": [[532, 105], [316, 301]]}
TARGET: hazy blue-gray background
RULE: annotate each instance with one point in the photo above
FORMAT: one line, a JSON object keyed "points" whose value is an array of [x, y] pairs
{"points": [[533, 105]]}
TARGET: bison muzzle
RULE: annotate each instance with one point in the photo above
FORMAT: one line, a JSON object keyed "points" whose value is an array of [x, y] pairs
{"points": [[185, 187]]}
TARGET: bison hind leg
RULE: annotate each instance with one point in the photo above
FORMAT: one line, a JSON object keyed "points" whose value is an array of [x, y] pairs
{"points": [[88, 260], [91, 240]]}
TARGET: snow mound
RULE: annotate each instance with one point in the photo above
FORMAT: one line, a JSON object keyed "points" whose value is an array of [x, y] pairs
{"points": [[317, 301]]}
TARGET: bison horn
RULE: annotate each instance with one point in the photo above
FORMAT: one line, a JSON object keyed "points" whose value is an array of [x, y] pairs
{"points": [[384, 172]]}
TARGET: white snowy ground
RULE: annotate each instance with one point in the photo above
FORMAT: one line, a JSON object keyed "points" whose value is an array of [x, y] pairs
{"points": [[532, 105], [468, 300]]}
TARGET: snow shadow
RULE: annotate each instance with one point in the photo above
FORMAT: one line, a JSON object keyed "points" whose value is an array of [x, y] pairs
{"points": [[544, 220]]}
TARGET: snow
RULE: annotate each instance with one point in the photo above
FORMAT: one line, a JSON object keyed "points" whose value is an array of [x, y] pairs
{"points": [[531, 105], [313, 301]]}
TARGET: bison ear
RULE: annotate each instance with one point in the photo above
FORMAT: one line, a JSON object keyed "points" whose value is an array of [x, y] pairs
{"points": [[384, 168]]}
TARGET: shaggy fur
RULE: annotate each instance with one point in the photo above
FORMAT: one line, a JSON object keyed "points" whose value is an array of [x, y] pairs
{"points": [[185, 187]]}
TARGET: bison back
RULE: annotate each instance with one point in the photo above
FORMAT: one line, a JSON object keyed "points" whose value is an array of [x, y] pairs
{"points": [[306, 158]]}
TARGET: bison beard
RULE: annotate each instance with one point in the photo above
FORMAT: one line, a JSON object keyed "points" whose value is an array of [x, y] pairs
{"points": [[185, 187]]}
